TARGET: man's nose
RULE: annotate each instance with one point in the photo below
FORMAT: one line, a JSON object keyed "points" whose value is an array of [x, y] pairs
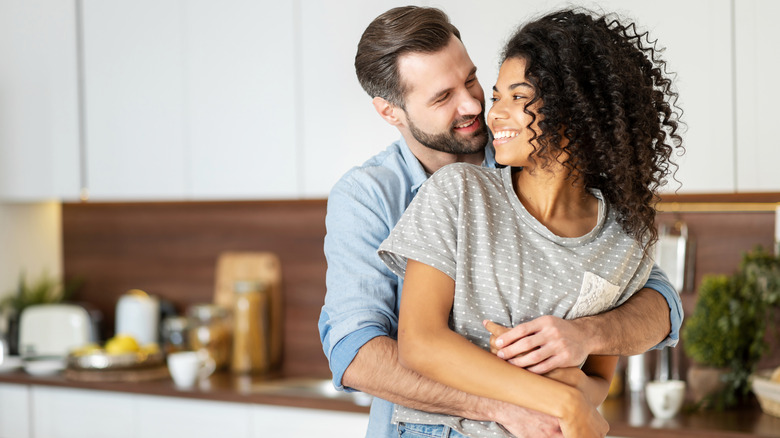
{"points": [[470, 105]]}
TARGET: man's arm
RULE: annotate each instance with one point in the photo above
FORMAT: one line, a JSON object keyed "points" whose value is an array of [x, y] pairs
{"points": [[650, 318], [376, 371]]}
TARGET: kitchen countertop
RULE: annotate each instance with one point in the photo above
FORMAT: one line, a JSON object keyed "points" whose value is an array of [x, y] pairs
{"points": [[300, 392], [628, 416]]}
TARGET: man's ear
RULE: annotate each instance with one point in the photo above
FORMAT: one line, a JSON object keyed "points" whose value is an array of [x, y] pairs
{"points": [[388, 111]]}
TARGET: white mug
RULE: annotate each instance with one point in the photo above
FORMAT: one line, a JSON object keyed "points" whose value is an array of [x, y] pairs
{"points": [[665, 398], [187, 367]]}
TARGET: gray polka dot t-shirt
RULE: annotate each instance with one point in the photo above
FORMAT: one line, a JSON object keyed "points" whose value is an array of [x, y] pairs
{"points": [[467, 222]]}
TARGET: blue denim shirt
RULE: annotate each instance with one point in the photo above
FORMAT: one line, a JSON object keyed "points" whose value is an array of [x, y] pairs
{"points": [[363, 295]]}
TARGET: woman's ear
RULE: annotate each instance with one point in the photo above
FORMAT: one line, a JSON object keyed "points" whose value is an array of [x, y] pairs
{"points": [[388, 111]]}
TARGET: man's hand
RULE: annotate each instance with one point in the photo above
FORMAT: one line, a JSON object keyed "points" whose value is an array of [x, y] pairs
{"points": [[540, 345], [527, 423]]}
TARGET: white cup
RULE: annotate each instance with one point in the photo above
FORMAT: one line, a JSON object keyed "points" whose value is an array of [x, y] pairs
{"points": [[187, 367], [665, 398]]}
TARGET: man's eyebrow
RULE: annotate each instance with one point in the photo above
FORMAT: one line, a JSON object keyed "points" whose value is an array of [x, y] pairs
{"points": [[441, 93]]}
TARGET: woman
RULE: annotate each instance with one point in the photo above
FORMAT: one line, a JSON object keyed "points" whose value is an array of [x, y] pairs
{"points": [[584, 119]]}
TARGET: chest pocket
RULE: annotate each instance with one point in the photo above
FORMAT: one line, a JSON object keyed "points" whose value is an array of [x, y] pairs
{"points": [[596, 296]]}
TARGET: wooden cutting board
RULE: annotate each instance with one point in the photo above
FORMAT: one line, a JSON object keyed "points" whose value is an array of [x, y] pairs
{"points": [[254, 266]]}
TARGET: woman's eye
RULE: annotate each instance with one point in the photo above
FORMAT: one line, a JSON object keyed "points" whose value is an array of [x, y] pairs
{"points": [[494, 99]]}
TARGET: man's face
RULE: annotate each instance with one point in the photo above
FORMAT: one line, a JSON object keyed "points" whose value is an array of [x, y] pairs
{"points": [[445, 104]]}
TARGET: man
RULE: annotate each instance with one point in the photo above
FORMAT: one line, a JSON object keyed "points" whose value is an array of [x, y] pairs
{"points": [[412, 63]]}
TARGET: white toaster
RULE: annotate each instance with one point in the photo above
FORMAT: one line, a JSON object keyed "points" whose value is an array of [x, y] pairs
{"points": [[53, 330]]}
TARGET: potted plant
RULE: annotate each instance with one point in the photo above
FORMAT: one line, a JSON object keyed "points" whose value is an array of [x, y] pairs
{"points": [[43, 290], [725, 335]]}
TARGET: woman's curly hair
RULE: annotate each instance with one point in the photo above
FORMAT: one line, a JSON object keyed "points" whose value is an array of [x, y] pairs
{"points": [[605, 89]]}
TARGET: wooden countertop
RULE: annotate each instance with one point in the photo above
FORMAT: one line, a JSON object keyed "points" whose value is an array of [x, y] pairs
{"points": [[222, 386], [628, 416]]}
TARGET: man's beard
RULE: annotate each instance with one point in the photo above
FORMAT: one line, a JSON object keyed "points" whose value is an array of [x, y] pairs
{"points": [[450, 141]]}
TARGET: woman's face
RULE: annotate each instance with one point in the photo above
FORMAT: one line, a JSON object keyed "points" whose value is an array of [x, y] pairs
{"points": [[507, 118]]}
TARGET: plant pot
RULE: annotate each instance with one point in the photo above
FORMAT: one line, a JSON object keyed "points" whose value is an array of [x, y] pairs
{"points": [[704, 381]]}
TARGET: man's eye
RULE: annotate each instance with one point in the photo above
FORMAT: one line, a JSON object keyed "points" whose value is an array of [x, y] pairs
{"points": [[443, 98]]}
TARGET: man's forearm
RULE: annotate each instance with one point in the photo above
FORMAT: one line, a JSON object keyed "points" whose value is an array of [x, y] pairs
{"points": [[376, 371], [632, 328]]}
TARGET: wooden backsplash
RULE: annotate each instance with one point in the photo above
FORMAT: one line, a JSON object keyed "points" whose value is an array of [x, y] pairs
{"points": [[171, 249]]}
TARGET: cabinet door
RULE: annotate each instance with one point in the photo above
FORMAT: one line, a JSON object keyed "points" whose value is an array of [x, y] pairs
{"points": [[242, 129], [134, 99], [14, 411], [39, 121], [340, 127], [758, 92], [167, 417], [273, 421], [76, 413]]}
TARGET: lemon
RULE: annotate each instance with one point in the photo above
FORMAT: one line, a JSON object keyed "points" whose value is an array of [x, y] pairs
{"points": [[149, 348], [121, 344], [86, 349]]}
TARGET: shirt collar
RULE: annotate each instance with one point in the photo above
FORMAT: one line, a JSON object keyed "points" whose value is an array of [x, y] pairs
{"points": [[418, 174], [416, 171]]}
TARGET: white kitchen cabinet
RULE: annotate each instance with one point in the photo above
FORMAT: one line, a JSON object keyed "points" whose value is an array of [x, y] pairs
{"points": [[39, 110], [701, 58], [340, 128], [241, 126], [14, 411], [134, 99], [166, 417], [190, 99], [758, 92], [77, 413], [275, 421]]}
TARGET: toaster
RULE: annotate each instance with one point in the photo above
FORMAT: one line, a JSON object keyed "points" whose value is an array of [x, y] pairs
{"points": [[53, 330]]}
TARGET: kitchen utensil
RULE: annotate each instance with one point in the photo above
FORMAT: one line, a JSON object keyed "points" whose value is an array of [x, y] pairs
{"points": [[767, 392], [105, 361], [53, 330], [210, 331], [263, 267], [665, 398], [174, 334], [670, 252], [44, 366], [138, 314], [636, 373], [187, 367]]}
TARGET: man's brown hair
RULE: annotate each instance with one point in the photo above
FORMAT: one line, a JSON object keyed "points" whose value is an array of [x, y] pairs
{"points": [[402, 30]]}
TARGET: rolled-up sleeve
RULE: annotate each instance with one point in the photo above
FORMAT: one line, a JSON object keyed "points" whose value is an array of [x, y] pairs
{"points": [[362, 293], [659, 282]]}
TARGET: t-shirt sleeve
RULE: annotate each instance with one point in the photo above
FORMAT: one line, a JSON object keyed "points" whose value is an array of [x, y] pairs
{"points": [[427, 231]]}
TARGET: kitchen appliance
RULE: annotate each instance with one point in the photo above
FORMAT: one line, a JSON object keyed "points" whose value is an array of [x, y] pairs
{"points": [[53, 330], [138, 315]]}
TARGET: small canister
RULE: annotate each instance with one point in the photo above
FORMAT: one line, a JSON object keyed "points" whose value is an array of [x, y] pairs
{"points": [[175, 334], [209, 330], [251, 352]]}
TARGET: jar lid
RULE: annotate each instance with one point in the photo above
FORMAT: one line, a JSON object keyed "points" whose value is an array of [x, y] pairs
{"points": [[175, 323], [206, 312], [245, 286]]}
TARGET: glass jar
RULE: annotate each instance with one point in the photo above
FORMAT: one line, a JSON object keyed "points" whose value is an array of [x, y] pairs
{"points": [[175, 334], [210, 330], [251, 352]]}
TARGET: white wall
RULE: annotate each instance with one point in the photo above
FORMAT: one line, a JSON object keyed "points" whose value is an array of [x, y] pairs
{"points": [[30, 241]]}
